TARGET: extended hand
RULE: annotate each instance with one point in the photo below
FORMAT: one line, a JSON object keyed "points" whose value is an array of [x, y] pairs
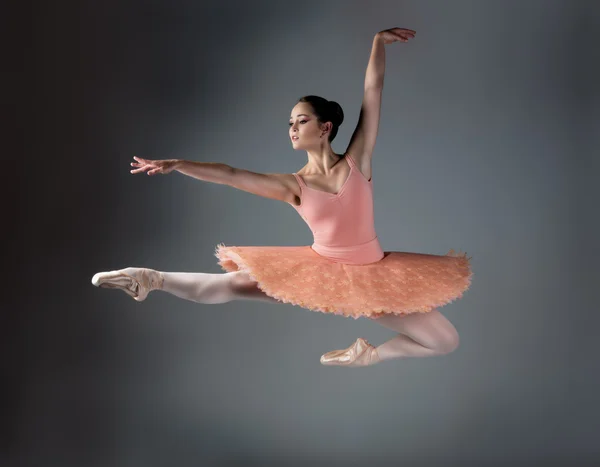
{"points": [[396, 34], [153, 167]]}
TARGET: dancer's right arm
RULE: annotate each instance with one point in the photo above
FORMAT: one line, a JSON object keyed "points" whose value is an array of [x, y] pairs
{"points": [[273, 186], [207, 171], [269, 185], [214, 172]]}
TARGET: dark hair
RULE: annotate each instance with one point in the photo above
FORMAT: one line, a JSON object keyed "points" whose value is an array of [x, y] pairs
{"points": [[326, 111]]}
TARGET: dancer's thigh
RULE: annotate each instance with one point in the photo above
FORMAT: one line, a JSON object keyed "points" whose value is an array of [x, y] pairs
{"points": [[427, 328], [244, 288]]}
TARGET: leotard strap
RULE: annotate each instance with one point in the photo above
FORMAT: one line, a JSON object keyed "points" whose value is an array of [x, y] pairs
{"points": [[350, 160], [300, 181]]}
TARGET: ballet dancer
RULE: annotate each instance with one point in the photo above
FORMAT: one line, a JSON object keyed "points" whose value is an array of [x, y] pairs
{"points": [[345, 271]]}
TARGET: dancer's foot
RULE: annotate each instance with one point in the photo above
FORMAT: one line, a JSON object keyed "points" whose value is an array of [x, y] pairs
{"points": [[361, 353], [136, 282]]}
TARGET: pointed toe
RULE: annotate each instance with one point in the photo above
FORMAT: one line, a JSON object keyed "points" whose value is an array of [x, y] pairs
{"points": [[135, 282], [361, 353]]}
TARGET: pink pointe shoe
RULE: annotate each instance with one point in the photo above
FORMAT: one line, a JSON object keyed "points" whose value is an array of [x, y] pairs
{"points": [[361, 353], [136, 282]]}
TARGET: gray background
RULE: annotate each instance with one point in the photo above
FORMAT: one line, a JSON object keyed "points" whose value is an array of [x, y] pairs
{"points": [[485, 146]]}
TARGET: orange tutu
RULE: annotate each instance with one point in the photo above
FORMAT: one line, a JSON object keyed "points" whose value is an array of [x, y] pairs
{"points": [[400, 283]]}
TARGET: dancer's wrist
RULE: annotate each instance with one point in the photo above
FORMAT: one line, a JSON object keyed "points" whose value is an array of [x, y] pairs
{"points": [[179, 164]]}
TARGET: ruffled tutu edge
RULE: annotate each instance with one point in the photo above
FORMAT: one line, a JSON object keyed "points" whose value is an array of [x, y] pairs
{"points": [[230, 261]]}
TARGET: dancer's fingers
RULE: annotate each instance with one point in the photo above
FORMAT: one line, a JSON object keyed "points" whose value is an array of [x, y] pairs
{"points": [[141, 169]]}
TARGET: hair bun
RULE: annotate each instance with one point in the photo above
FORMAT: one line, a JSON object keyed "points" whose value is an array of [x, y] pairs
{"points": [[337, 114], [325, 111]]}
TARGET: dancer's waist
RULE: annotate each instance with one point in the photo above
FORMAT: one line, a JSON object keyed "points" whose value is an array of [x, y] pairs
{"points": [[363, 253]]}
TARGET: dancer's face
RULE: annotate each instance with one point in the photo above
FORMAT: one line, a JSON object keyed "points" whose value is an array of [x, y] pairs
{"points": [[303, 124]]}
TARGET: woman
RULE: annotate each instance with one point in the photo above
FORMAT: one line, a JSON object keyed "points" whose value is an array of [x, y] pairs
{"points": [[344, 271]]}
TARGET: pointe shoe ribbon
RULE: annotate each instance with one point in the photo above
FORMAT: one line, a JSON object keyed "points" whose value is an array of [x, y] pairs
{"points": [[136, 282], [361, 353]]}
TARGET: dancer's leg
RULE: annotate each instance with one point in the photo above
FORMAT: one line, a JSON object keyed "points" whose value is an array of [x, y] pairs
{"points": [[194, 286], [198, 287], [213, 288], [421, 335]]}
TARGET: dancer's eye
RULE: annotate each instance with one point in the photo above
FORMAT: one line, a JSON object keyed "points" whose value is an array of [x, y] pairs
{"points": [[301, 121]]}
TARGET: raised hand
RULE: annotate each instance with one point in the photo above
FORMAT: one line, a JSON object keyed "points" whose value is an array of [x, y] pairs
{"points": [[153, 166], [396, 34]]}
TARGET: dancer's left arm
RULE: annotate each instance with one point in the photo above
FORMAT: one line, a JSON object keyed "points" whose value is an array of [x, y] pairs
{"points": [[363, 139]]}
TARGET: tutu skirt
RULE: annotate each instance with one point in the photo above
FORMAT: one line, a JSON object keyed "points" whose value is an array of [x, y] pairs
{"points": [[400, 283]]}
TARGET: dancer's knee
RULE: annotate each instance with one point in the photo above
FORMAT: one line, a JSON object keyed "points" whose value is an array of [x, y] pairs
{"points": [[448, 341], [452, 344], [446, 338], [217, 289], [432, 330]]}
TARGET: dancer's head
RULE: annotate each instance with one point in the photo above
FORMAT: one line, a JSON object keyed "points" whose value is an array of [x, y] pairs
{"points": [[314, 120]]}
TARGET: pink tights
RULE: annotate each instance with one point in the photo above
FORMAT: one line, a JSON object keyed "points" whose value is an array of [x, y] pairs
{"points": [[419, 334]]}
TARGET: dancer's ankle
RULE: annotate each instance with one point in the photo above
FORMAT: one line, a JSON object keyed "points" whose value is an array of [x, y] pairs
{"points": [[158, 279]]}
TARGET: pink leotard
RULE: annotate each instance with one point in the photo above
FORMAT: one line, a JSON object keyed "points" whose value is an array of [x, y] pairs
{"points": [[342, 224]]}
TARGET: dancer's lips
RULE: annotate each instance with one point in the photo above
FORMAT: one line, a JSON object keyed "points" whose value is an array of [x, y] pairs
{"points": [[294, 138]]}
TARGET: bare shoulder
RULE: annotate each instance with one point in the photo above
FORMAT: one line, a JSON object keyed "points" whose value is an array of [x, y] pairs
{"points": [[294, 194], [268, 185], [363, 163], [290, 182]]}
